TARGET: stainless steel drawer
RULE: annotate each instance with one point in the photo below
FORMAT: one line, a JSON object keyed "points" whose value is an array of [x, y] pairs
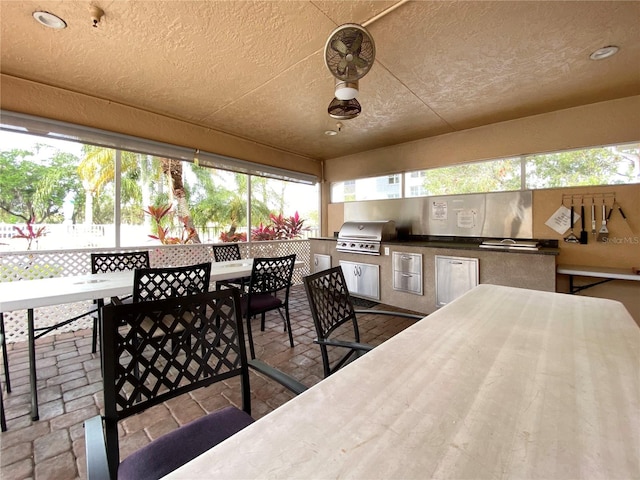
{"points": [[407, 272], [407, 282], [407, 262]]}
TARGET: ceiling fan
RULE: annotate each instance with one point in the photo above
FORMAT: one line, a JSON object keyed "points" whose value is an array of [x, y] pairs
{"points": [[349, 55]]}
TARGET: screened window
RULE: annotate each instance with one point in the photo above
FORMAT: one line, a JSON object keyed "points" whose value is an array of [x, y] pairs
{"points": [[595, 166], [491, 176], [59, 194], [607, 165], [373, 188]]}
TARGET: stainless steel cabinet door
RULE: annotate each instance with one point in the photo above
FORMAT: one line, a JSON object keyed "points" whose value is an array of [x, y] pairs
{"points": [[454, 276], [321, 262], [363, 279]]}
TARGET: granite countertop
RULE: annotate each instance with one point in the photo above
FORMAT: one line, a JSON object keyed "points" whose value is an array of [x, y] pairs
{"points": [[457, 243]]}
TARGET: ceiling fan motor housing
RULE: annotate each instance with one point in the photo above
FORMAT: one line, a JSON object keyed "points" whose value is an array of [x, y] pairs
{"points": [[346, 90]]}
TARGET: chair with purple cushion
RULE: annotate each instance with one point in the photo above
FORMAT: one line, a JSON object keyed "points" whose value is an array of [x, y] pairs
{"points": [[212, 350], [227, 252], [114, 262], [268, 290]]}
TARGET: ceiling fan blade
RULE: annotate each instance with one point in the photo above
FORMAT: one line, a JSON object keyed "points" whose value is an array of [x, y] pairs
{"points": [[360, 62], [342, 67], [339, 46], [357, 43]]}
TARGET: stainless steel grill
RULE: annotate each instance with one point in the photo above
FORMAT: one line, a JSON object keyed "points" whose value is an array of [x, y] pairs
{"points": [[365, 237]]}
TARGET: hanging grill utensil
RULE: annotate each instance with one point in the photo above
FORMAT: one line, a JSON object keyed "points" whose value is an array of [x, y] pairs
{"points": [[603, 233], [593, 219], [584, 236], [615, 203], [571, 238]]}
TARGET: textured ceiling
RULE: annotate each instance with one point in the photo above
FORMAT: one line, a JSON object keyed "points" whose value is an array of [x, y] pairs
{"points": [[256, 69]]}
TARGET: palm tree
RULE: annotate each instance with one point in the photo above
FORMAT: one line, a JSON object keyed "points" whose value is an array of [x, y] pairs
{"points": [[222, 198], [97, 169], [173, 170]]}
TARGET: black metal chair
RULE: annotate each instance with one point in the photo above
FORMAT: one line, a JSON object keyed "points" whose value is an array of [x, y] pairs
{"points": [[167, 282], [226, 252], [3, 420], [213, 351], [268, 290], [114, 262], [5, 356], [331, 308]]}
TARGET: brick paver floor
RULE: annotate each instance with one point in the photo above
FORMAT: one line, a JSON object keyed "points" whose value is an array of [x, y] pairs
{"points": [[70, 391]]}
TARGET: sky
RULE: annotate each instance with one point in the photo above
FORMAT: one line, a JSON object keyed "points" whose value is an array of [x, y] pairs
{"points": [[12, 141]]}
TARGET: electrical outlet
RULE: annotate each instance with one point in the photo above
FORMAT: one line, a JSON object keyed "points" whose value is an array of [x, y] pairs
{"points": [[386, 250]]}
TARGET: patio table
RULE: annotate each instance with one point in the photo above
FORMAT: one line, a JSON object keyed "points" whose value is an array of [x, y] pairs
{"points": [[500, 383], [30, 294]]}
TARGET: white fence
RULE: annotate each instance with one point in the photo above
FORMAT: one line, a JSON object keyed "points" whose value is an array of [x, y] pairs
{"points": [[61, 236], [26, 265]]}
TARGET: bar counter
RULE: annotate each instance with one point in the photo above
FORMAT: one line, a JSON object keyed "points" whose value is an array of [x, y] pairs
{"points": [[501, 383]]}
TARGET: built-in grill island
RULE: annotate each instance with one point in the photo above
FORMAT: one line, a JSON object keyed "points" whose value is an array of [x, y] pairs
{"points": [[365, 237]]}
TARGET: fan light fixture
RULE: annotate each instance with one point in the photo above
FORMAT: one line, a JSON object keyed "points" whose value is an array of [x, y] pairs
{"points": [[346, 90], [604, 52], [349, 55], [49, 20], [344, 109]]}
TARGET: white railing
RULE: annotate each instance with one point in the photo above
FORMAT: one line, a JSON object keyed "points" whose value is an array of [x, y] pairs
{"points": [[27, 265]]}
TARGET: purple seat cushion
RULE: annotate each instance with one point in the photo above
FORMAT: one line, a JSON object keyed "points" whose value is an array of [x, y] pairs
{"points": [[261, 302], [176, 448]]}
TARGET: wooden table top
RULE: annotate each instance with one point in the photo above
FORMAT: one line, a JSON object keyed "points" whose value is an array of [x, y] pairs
{"points": [[500, 383]]}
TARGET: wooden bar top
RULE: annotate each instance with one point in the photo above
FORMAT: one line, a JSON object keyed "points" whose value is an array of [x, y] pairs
{"points": [[501, 383]]}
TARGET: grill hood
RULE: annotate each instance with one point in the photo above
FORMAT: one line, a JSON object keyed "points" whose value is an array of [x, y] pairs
{"points": [[365, 237]]}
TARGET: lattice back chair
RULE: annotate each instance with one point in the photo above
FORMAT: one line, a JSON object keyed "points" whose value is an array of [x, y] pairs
{"points": [[5, 356], [137, 378], [268, 290], [226, 252], [114, 262], [331, 308], [3, 420], [167, 282]]}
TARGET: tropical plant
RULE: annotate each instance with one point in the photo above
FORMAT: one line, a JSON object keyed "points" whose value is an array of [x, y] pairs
{"points": [[263, 233], [29, 233], [159, 216], [287, 228], [229, 237], [280, 228]]}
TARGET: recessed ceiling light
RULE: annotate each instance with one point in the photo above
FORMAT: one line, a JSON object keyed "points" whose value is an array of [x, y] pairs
{"points": [[336, 131], [49, 20], [604, 52]]}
